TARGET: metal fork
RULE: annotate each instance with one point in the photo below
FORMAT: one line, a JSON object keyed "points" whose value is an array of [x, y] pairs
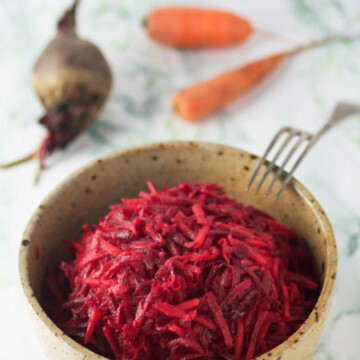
{"points": [[342, 111]]}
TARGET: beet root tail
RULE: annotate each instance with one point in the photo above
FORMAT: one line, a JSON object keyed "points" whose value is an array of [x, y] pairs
{"points": [[19, 161], [40, 153]]}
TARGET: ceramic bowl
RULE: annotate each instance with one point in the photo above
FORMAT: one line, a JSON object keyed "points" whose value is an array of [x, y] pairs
{"points": [[85, 196]]}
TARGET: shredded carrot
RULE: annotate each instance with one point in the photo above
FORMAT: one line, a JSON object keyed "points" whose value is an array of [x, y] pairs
{"points": [[253, 340], [239, 340], [219, 318], [170, 310], [94, 318], [206, 322], [285, 292]]}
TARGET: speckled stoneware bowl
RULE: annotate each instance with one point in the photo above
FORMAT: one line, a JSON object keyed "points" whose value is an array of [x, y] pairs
{"points": [[85, 196]]}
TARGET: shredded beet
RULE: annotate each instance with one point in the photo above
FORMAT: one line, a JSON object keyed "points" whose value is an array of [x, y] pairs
{"points": [[186, 273]]}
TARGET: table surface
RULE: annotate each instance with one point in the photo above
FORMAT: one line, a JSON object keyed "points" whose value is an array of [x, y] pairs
{"points": [[301, 93]]}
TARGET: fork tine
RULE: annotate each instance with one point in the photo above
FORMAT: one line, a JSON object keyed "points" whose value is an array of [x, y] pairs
{"points": [[297, 163], [340, 113], [303, 136], [285, 143], [263, 159]]}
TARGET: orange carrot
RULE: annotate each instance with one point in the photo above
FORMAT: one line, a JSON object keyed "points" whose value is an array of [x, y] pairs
{"points": [[195, 27], [207, 97], [200, 100]]}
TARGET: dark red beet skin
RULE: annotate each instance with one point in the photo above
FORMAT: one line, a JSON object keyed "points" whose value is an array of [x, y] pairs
{"points": [[186, 273]]}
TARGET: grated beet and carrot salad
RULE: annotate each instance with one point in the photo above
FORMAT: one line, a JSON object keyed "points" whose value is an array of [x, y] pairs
{"points": [[186, 273]]}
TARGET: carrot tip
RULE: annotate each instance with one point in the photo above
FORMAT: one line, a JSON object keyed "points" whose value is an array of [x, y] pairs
{"points": [[176, 107], [273, 36]]}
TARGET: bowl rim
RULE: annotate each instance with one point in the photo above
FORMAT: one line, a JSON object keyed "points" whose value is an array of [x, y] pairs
{"points": [[331, 249]]}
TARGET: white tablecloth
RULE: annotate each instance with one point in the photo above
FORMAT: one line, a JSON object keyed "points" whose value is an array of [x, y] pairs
{"points": [[301, 93]]}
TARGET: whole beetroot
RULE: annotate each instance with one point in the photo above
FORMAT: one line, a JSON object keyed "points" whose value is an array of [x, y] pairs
{"points": [[72, 79]]}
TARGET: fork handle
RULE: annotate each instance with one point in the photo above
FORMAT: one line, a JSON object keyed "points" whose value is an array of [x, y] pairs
{"points": [[341, 112]]}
